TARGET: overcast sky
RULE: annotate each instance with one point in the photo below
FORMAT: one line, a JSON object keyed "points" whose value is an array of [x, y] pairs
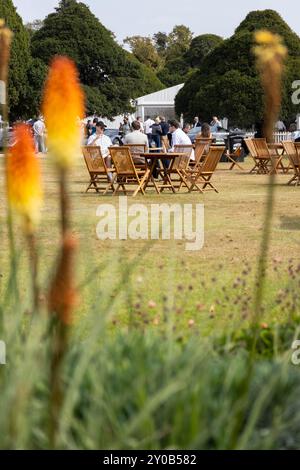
{"points": [[128, 18]]}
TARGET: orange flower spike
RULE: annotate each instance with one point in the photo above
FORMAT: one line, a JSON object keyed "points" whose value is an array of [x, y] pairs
{"points": [[63, 105], [24, 185]]}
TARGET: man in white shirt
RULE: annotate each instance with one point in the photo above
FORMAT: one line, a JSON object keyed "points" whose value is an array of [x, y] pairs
{"points": [[39, 135], [103, 141], [179, 137], [148, 129]]}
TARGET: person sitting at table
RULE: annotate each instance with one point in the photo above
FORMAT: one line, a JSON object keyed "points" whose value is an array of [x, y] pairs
{"points": [[205, 132], [179, 137], [101, 140], [136, 137]]}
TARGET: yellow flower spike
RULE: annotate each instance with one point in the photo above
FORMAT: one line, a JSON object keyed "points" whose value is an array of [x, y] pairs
{"points": [[266, 37], [63, 104], [269, 47], [24, 178], [270, 56]]}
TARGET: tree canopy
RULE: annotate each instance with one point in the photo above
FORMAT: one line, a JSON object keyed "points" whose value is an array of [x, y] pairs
{"points": [[173, 49], [111, 77], [200, 47], [228, 83], [144, 50], [165, 53], [20, 59]]}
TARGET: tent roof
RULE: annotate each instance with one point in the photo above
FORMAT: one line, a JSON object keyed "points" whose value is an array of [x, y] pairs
{"points": [[161, 97]]}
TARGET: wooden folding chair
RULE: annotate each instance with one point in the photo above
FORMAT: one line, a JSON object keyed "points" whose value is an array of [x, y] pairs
{"points": [[233, 158], [126, 172], [264, 156], [181, 164], [99, 173], [252, 151], [202, 176], [292, 149], [260, 162]]}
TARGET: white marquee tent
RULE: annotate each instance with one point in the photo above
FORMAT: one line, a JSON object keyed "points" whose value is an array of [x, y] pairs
{"points": [[160, 103]]}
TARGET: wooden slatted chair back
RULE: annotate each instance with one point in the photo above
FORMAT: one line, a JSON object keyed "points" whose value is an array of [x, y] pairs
{"points": [[291, 150], [262, 148], [251, 147], [182, 162], [94, 160], [204, 140], [200, 149], [187, 149], [136, 149], [212, 159], [122, 160]]}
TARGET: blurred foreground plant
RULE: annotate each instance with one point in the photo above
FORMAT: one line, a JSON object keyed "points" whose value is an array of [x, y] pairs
{"points": [[270, 56], [24, 191], [63, 107]]}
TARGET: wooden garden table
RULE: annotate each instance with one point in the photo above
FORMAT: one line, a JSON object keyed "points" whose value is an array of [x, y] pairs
{"points": [[152, 160]]}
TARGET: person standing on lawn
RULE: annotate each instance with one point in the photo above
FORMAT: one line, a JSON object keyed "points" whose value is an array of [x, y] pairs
{"points": [[148, 131], [156, 132], [39, 130]]}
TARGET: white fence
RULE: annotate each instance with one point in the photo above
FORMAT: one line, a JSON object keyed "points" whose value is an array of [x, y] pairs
{"points": [[278, 136], [282, 136]]}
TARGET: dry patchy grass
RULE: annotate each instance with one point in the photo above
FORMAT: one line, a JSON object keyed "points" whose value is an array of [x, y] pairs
{"points": [[148, 283]]}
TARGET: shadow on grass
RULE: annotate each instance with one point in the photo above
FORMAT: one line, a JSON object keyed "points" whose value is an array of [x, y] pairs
{"points": [[289, 223]]}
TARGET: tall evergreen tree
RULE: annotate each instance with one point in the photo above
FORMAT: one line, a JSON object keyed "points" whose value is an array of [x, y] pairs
{"points": [[110, 76], [20, 59], [228, 83]]}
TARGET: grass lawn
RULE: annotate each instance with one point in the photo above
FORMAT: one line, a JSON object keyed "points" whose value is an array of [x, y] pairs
{"points": [[151, 284]]}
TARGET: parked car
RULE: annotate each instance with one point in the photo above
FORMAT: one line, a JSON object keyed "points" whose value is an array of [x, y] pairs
{"points": [[114, 135]]}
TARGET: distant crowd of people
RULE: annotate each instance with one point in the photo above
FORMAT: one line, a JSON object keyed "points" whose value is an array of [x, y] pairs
{"points": [[153, 133], [157, 132]]}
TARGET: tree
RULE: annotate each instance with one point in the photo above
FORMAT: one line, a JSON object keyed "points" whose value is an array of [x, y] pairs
{"points": [[228, 83], [36, 75], [113, 75], [200, 47], [174, 72], [33, 26], [161, 43], [143, 49], [174, 47], [179, 41], [20, 59]]}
